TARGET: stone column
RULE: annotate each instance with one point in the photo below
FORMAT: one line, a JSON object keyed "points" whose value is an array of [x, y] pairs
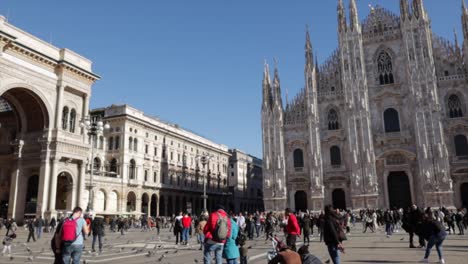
{"points": [[81, 184], [53, 186], [44, 183], [166, 205], [157, 205], [13, 200], [58, 109]]}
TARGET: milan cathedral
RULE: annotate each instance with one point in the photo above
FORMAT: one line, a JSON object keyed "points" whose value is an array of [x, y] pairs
{"points": [[381, 123]]}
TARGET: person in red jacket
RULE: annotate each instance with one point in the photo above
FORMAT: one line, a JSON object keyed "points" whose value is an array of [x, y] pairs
{"points": [[211, 243], [186, 223], [292, 229]]}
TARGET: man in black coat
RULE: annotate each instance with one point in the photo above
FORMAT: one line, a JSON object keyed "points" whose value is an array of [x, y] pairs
{"points": [[416, 217], [97, 226], [31, 230]]}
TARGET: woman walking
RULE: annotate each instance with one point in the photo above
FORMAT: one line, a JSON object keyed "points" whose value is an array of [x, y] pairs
{"points": [[231, 251], [435, 233]]}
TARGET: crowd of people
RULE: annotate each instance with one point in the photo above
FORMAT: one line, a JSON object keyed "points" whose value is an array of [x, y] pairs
{"points": [[224, 235]]}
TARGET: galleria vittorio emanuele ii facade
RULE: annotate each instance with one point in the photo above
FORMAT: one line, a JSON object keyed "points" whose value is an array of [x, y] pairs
{"points": [[381, 123], [139, 164]]}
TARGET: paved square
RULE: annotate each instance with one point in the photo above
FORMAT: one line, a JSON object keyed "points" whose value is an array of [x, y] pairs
{"points": [[146, 247]]}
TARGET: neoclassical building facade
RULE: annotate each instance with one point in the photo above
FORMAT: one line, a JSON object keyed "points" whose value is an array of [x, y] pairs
{"points": [[140, 164], [44, 91], [143, 164], [381, 123]]}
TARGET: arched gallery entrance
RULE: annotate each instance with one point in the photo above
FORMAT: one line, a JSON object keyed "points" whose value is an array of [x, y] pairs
{"points": [[399, 190], [464, 194], [23, 119], [339, 199], [131, 202], [300, 201]]}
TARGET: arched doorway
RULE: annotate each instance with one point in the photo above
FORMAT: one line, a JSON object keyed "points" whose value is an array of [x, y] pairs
{"points": [[144, 203], [64, 192], [154, 204], [31, 195], [23, 118], [300, 201], [131, 202], [399, 190], [464, 194], [339, 199]]}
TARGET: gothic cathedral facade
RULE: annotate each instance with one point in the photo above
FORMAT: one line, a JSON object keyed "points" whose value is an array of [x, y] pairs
{"points": [[381, 123]]}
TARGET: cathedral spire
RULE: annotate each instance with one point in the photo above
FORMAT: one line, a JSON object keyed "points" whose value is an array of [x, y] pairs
{"points": [[457, 46], [267, 97], [353, 16], [341, 17], [404, 10], [308, 52], [418, 9], [464, 21], [277, 87]]}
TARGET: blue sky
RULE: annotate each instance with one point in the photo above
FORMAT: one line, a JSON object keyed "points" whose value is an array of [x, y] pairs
{"points": [[198, 63]]}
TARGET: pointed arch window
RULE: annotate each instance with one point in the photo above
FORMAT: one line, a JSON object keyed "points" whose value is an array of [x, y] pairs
{"points": [[132, 169], [298, 158], [130, 143], [72, 120], [333, 122], [65, 113], [385, 68], [461, 146], [335, 156], [135, 144], [391, 121], [454, 106]]}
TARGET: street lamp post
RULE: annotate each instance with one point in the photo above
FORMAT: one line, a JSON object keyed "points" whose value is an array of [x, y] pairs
{"points": [[94, 127], [204, 159]]}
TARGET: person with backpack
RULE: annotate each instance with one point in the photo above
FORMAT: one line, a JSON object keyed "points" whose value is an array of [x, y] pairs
{"points": [[97, 226], [216, 231], [331, 234], [231, 251], [178, 228], [72, 233], [434, 232]]}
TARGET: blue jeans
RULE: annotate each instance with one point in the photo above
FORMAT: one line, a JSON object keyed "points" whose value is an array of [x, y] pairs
{"points": [[185, 234], [39, 231], [388, 228], [334, 254], [72, 252], [436, 240], [97, 237], [231, 261], [217, 249]]}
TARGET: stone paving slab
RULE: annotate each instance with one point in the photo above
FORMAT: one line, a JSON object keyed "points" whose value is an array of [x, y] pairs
{"points": [[147, 247]]}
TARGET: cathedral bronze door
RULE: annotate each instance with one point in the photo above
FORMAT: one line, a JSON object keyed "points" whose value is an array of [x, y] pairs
{"points": [[339, 199], [300, 201], [464, 194], [399, 191]]}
